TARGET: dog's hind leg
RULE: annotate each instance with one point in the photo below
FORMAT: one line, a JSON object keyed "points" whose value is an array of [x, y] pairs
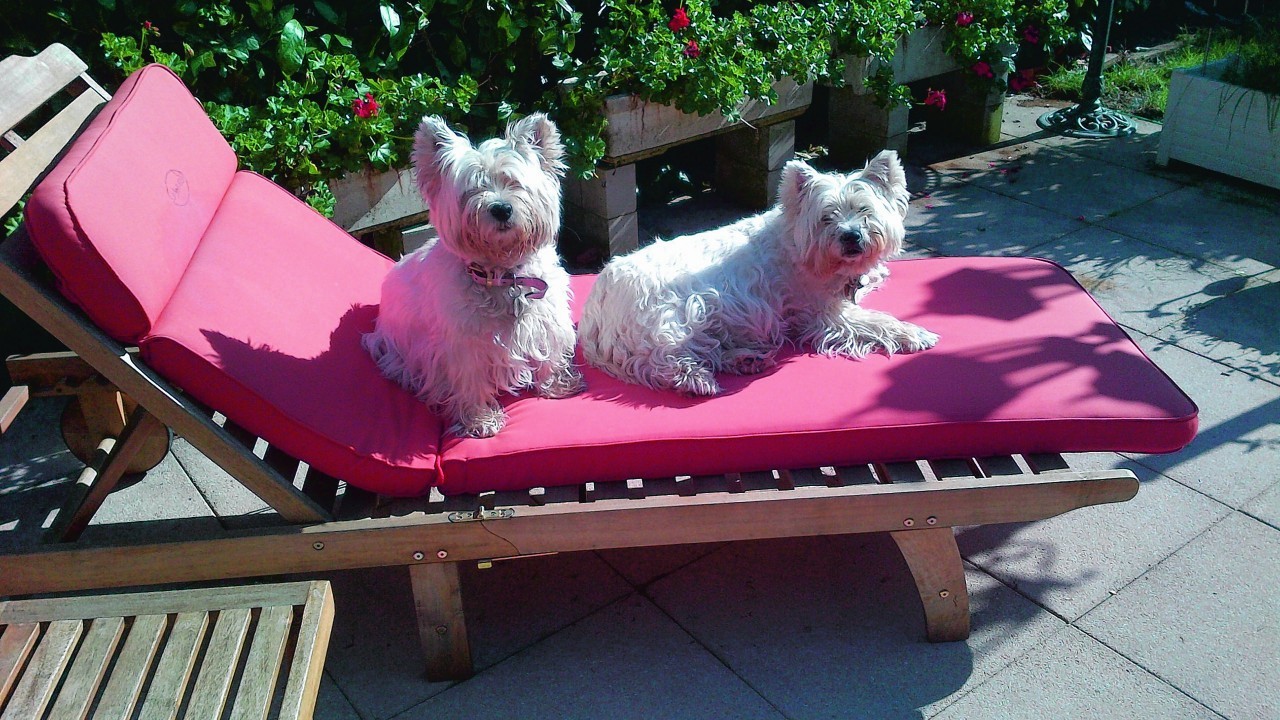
{"points": [[560, 379]]}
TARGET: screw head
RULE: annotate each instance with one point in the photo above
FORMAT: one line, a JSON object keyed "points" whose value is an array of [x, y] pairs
{"points": [[944, 594], [418, 555], [317, 545], [442, 554], [932, 521], [909, 522], [442, 630]]}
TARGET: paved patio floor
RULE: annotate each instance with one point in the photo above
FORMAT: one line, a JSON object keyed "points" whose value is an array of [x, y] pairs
{"points": [[1167, 606]]}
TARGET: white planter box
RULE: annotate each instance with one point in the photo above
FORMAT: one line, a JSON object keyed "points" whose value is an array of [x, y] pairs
{"points": [[368, 202], [639, 129], [919, 55], [1221, 127]]}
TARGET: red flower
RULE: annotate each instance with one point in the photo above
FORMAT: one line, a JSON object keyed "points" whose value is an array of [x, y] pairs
{"points": [[679, 20], [149, 29], [1031, 34], [982, 69], [365, 107], [1022, 80], [936, 98], [691, 49], [964, 18]]}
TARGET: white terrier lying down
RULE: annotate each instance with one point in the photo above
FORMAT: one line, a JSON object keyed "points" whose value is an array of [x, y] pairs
{"points": [[484, 310], [672, 314]]}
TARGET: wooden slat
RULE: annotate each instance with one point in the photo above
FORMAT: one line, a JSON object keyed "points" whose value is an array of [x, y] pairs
{"points": [[26, 83], [20, 170], [442, 627], [44, 670], [120, 696], [92, 488], [309, 653], [262, 665], [954, 468], [15, 646], [15, 398], [20, 283], [54, 373], [217, 670], [172, 601], [90, 665], [169, 684], [665, 520]]}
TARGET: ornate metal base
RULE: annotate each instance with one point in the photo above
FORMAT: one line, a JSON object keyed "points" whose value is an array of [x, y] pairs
{"points": [[1077, 121]]}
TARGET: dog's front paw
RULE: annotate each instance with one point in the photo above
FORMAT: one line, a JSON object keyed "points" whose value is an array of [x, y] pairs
{"points": [[564, 382], [748, 362], [695, 380], [482, 424], [915, 338]]}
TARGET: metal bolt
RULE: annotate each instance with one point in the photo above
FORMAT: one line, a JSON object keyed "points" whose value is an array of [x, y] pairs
{"points": [[442, 554], [442, 630], [909, 522], [932, 521], [317, 545], [944, 594], [418, 555]]}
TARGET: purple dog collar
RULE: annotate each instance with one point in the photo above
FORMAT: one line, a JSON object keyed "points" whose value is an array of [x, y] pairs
{"points": [[507, 279]]}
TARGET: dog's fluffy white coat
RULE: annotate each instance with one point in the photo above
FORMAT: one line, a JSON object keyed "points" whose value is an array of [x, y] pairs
{"points": [[454, 342], [670, 315]]}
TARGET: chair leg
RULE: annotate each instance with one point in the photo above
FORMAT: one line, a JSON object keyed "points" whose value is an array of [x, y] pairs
{"points": [[934, 560], [442, 628]]}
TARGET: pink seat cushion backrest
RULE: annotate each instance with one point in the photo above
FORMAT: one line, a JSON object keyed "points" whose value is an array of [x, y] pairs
{"points": [[266, 327], [119, 217], [1028, 362]]}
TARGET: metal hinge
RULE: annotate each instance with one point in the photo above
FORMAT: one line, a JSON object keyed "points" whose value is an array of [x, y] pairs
{"points": [[482, 514]]}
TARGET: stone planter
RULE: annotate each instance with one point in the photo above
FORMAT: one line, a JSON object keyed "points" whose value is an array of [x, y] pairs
{"points": [[749, 158], [859, 127], [377, 206], [1221, 127]]}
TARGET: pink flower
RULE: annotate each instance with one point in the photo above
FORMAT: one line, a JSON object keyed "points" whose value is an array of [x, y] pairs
{"points": [[964, 18], [936, 98], [982, 69], [1031, 34], [365, 107], [1020, 81], [691, 49], [679, 20]]}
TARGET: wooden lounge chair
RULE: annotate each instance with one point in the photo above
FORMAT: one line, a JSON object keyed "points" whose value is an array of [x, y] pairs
{"points": [[966, 434]]}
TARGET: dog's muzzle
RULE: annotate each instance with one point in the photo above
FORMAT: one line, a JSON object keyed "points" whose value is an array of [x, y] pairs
{"points": [[851, 242]]}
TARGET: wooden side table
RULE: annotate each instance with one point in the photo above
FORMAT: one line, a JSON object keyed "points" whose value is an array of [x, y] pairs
{"points": [[161, 653]]}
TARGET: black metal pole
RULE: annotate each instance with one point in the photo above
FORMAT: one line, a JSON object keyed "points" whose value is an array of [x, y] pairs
{"points": [[1090, 118]]}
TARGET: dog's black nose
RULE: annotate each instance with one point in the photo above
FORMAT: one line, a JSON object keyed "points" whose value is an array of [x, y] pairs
{"points": [[851, 241], [501, 211]]}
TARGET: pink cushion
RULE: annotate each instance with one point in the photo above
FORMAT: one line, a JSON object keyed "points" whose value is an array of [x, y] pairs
{"points": [[265, 327], [119, 217], [1028, 362]]}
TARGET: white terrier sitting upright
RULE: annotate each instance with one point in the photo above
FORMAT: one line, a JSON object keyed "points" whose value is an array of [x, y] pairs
{"points": [[484, 310], [671, 315]]}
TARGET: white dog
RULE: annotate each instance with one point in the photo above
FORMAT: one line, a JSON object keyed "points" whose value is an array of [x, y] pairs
{"points": [[671, 315], [485, 309]]}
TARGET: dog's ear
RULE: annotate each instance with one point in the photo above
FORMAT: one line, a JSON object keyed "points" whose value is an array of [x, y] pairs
{"points": [[432, 144], [799, 180], [537, 133], [885, 171]]}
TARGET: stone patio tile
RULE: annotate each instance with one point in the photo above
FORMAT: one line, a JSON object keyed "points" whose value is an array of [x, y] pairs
{"points": [[1071, 675], [964, 219], [1217, 222], [833, 628], [35, 467], [628, 660], [163, 504], [1235, 453], [235, 505], [1241, 329], [642, 565], [331, 704], [1207, 620], [1266, 507], [374, 654], [1073, 562], [1141, 285], [1068, 183]]}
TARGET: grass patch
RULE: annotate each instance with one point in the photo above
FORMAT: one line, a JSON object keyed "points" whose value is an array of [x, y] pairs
{"points": [[1138, 86]]}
